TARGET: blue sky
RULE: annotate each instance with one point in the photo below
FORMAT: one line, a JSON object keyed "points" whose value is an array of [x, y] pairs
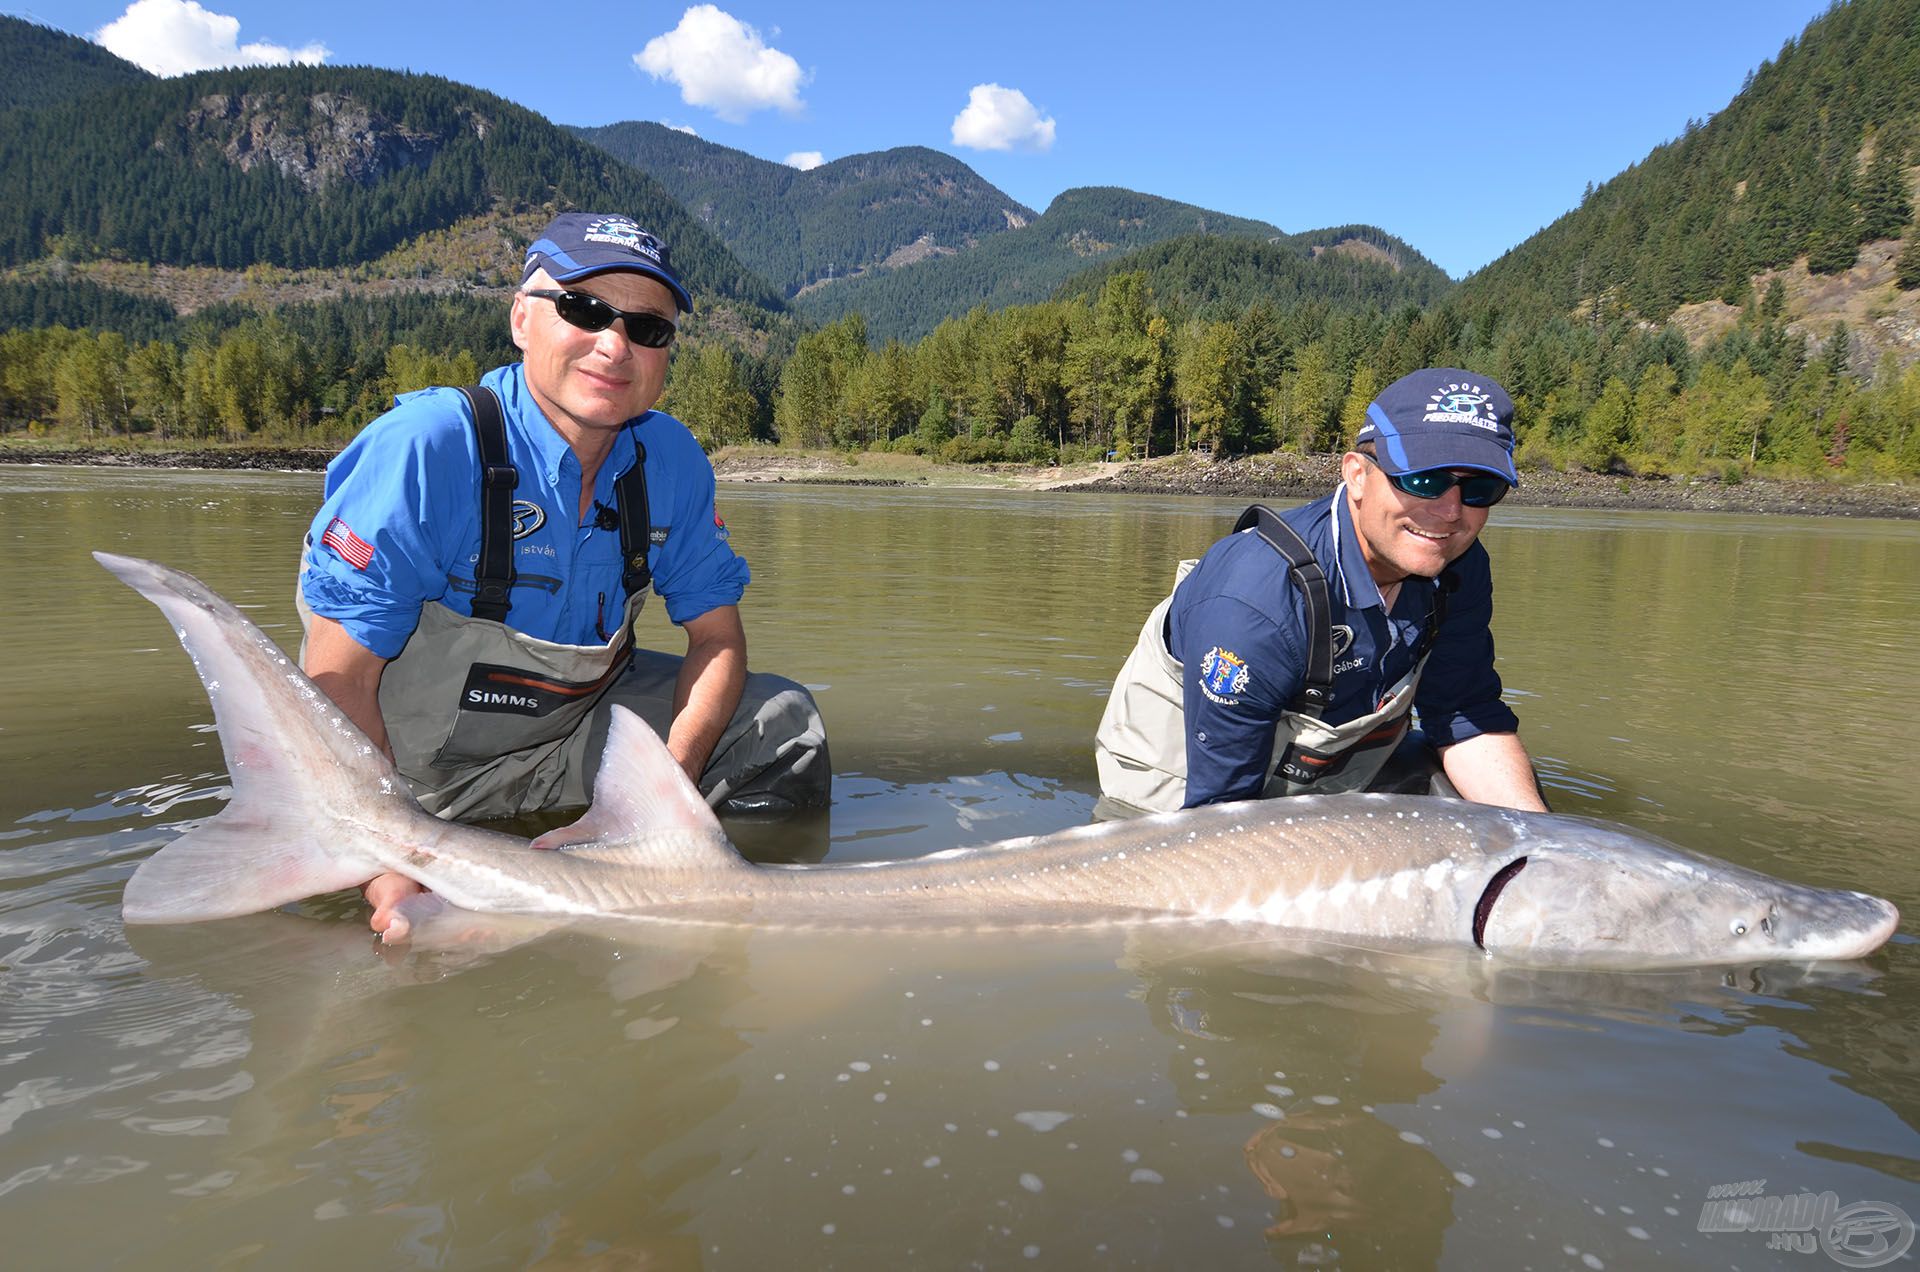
{"points": [[1461, 127]]}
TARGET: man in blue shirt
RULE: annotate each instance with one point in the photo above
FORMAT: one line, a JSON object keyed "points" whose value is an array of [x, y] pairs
{"points": [[1289, 659], [470, 583]]}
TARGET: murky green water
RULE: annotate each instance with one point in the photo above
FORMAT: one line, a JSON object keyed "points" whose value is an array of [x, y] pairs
{"points": [[275, 1092]]}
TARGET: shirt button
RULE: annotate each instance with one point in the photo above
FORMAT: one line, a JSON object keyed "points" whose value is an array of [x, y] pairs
{"points": [[1200, 736]]}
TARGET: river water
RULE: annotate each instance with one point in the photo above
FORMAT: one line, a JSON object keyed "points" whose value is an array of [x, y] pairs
{"points": [[278, 1092]]}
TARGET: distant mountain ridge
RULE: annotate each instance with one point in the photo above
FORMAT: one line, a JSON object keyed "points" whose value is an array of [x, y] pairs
{"points": [[309, 166], [1080, 229], [40, 66], [1216, 277], [798, 227]]}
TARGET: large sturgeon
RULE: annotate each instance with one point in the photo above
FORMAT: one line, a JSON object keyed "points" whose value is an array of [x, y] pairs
{"points": [[316, 808]]}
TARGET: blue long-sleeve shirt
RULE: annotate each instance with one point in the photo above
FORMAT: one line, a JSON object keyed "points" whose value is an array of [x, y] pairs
{"points": [[1238, 626], [400, 524]]}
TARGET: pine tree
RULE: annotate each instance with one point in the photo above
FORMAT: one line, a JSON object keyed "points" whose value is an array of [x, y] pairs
{"points": [[1906, 267], [1884, 205]]}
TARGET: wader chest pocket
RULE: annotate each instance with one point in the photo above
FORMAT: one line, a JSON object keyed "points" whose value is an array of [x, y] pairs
{"points": [[504, 709]]}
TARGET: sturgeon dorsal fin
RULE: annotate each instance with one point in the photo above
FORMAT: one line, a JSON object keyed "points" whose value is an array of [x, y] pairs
{"points": [[645, 812]]}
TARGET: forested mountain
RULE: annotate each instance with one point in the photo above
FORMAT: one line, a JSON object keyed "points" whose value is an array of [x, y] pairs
{"points": [[856, 213], [1080, 228], [40, 66], [1746, 300], [1812, 158], [308, 166], [1202, 276]]}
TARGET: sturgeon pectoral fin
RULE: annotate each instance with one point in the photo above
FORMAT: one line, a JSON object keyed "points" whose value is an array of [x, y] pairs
{"points": [[645, 812], [1483, 908]]}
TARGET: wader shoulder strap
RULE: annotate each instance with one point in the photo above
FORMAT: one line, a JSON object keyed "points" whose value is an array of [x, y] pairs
{"points": [[1444, 586], [636, 523], [493, 573], [1317, 692]]}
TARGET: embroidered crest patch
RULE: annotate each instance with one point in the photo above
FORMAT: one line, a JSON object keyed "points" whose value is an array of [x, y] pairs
{"points": [[1223, 675]]}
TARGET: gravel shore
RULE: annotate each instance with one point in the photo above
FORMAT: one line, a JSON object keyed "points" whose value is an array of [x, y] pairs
{"points": [[1275, 477], [1301, 477]]}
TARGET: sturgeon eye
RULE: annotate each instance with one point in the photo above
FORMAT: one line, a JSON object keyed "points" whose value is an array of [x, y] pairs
{"points": [[1739, 928]]}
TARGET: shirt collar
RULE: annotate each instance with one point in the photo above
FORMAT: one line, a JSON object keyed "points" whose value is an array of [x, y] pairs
{"points": [[555, 456], [1358, 590]]}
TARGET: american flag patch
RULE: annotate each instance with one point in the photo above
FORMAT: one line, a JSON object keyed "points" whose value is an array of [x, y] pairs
{"points": [[354, 550]]}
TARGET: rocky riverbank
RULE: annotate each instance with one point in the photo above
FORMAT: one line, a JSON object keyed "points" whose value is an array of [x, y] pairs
{"points": [[1283, 476], [281, 459], [1278, 477]]}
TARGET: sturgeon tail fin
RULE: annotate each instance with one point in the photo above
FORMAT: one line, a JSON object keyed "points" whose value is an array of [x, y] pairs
{"points": [[234, 865], [307, 783]]}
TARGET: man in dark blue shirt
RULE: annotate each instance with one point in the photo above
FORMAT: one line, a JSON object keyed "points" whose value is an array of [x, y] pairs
{"points": [[1253, 680]]}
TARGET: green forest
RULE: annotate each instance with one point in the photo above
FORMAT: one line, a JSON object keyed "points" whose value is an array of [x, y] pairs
{"points": [[307, 167], [1810, 159], [1078, 378], [1117, 323]]}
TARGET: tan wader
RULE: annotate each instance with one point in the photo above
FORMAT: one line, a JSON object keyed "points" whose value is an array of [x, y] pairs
{"points": [[1141, 747], [486, 721]]}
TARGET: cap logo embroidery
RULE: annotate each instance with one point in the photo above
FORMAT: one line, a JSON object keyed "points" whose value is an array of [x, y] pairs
{"points": [[1462, 404], [620, 232]]}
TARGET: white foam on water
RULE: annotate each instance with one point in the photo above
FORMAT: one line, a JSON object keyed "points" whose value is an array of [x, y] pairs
{"points": [[1042, 1120]]}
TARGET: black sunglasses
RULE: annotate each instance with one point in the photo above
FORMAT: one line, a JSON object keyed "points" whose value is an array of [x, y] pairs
{"points": [[1481, 490], [590, 313]]}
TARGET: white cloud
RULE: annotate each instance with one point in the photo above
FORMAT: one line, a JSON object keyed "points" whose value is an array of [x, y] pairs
{"points": [[722, 64], [805, 160], [175, 37], [999, 118], [685, 128]]}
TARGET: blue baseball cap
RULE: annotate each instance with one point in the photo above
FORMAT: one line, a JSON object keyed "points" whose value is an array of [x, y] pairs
{"points": [[1442, 417], [578, 245]]}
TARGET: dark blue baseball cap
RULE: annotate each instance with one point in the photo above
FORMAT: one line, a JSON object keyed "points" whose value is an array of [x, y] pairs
{"points": [[1442, 417], [578, 245]]}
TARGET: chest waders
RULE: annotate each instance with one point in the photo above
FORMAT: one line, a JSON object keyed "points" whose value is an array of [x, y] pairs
{"points": [[475, 711], [1141, 750]]}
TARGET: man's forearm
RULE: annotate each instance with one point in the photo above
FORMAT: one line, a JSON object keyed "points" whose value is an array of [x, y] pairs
{"points": [[1493, 768], [349, 674], [707, 692]]}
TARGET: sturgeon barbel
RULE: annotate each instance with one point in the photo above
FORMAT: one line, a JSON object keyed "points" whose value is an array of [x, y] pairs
{"points": [[317, 808]]}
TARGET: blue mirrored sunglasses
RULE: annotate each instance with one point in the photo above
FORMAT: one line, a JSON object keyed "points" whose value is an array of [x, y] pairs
{"points": [[1477, 490]]}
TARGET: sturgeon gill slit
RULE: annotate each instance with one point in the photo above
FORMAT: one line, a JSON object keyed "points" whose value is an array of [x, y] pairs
{"points": [[1483, 908]]}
